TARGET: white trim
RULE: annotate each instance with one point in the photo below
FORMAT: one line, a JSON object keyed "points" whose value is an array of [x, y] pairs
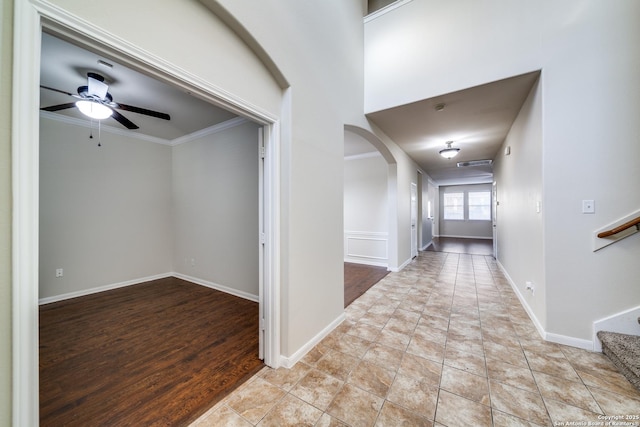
{"points": [[217, 287], [28, 16], [367, 262], [84, 292], [547, 336], [289, 362], [368, 254], [463, 237], [625, 322], [25, 189], [404, 264], [208, 131], [424, 248], [104, 128], [363, 156], [523, 301], [144, 137], [570, 341], [195, 280], [378, 13]]}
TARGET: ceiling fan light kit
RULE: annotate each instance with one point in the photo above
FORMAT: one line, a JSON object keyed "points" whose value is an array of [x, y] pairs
{"points": [[449, 152], [94, 110]]}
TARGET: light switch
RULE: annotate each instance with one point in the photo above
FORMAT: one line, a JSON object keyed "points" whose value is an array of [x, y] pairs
{"points": [[588, 206]]}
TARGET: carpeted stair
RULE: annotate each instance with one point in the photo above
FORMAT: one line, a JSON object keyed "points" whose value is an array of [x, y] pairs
{"points": [[624, 352]]}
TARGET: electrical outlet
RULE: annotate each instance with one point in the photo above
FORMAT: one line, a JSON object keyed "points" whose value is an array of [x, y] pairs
{"points": [[59, 272]]}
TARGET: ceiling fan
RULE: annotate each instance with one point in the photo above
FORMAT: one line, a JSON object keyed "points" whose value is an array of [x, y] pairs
{"points": [[97, 103]]}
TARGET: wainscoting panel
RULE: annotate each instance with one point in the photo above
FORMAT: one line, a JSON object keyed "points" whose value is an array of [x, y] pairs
{"points": [[366, 247]]}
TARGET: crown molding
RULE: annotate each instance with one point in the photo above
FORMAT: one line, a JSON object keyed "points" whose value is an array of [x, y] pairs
{"points": [[378, 13], [103, 128], [208, 131], [144, 137]]}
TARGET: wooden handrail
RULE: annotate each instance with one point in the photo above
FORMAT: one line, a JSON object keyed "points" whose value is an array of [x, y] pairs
{"points": [[633, 223]]}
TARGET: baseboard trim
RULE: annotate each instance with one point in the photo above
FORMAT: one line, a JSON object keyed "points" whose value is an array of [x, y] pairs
{"points": [[570, 341], [403, 265], [523, 301], [197, 281], [83, 292], [290, 361], [466, 237], [625, 322], [373, 264], [547, 336], [217, 286]]}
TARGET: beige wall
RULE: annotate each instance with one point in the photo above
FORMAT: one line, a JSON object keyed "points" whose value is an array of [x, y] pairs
{"points": [[215, 209], [6, 39], [105, 212]]}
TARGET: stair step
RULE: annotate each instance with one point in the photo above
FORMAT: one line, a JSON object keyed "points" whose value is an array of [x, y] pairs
{"points": [[624, 352]]}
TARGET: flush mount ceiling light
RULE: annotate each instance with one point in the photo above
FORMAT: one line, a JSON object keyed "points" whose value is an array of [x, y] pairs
{"points": [[94, 109], [449, 152]]}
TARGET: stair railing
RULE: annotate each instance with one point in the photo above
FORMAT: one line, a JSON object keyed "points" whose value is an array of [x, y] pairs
{"points": [[616, 231], [633, 223]]}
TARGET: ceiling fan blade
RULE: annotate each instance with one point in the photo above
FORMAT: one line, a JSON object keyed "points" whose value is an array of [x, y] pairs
{"points": [[144, 111], [56, 90], [59, 107], [124, 121]]}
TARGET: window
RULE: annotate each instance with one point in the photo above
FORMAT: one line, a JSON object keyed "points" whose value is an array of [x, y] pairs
{"points": [[480, 205], [454, 206]]}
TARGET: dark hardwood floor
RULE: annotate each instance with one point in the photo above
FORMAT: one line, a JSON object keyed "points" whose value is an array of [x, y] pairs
{"points": [[358, 278], [462, 246], [155, 354]]}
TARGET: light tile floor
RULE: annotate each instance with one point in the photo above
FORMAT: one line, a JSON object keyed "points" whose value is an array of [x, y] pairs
{"points": [[445, 342]]}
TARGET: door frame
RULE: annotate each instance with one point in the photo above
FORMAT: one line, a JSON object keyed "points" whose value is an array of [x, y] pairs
{"points": [[30, 18], [494, 218], [413, 219]]}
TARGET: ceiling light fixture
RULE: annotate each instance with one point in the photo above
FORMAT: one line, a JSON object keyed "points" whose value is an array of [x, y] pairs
{"points": [[93, 109], [449, 152]]}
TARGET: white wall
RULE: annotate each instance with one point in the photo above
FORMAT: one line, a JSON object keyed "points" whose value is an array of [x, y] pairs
{"points": [[589, 60], [466, 227], [519, 185], [366, 219], [215, 209], [105, 212], [318, 47]]}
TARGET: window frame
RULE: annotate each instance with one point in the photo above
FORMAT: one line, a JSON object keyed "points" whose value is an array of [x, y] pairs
{"points": [[445, 206], [487, 206]]}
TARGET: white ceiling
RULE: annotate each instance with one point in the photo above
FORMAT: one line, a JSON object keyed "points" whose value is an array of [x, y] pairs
{"points": [[477, 120], [64, 66]]}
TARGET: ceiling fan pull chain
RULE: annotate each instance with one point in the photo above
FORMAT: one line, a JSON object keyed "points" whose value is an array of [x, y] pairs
{"points": [[99, 134], [91, 129]]}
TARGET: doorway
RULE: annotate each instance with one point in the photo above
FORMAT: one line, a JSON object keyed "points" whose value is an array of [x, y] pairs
{"points": [[28, 30]]}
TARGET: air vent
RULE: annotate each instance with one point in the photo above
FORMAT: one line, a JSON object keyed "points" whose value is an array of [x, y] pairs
{"points": [[475, 163]]}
